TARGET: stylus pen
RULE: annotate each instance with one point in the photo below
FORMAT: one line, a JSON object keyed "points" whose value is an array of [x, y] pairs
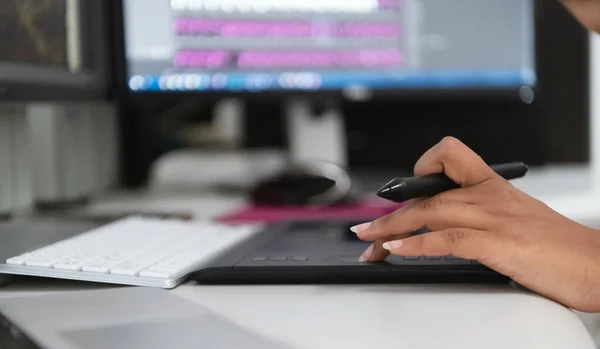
{"points": [[408, 188]]}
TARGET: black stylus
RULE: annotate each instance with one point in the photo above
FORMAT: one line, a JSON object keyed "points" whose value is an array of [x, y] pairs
{"points": [[408, 188]]}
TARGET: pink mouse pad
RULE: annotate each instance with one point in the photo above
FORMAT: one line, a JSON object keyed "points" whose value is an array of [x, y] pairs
{"points": [[367, 209]]}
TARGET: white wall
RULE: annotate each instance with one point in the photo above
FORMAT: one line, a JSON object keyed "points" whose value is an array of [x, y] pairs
{"points": [[574, 191]]}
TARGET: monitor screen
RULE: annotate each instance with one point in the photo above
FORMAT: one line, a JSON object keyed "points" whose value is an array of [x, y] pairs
{"points": [[34, 33], [52, 50], [284, 45]]}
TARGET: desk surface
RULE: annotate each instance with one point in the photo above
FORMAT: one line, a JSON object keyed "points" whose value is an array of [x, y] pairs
{"points": [[325, 317], [363, 316], [378, 316]]}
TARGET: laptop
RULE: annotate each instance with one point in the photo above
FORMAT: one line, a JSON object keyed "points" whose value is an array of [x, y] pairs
{"points": [[119, 318], [325, 252]]}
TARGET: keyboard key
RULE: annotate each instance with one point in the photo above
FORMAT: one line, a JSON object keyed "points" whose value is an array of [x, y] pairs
{"points": [[161, 269], [130, 269], [16, 261], [433, 258], [171, 265], [98, 267], [116, 257], [412, 258], [259, 259], [40, 262], [69, 265], [159, 274]]}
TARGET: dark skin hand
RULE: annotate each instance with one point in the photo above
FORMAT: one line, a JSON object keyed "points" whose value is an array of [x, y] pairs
{"points": [[489, 220]]}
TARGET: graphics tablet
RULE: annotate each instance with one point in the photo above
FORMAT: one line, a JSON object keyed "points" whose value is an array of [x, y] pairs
{"points": [[327, 252]]}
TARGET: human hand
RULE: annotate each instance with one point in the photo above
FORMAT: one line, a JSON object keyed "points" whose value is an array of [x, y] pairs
{"points": [[488, 220]]}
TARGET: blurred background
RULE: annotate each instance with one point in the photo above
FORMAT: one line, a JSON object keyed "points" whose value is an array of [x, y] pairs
{"points": [[115, 107]]}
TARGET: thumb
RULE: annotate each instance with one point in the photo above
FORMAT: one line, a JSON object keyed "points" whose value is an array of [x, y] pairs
{"points": [[457, 161]]}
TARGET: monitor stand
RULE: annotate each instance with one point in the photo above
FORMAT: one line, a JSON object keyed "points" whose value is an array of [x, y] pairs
{"points": [[16, 183], [316, 132]]}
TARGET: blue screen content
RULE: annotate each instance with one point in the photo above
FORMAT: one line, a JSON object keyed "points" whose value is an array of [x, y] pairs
{"points": [[278, 45]]}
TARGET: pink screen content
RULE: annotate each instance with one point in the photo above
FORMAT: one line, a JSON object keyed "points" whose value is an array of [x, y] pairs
{"points": [[325, 34]]}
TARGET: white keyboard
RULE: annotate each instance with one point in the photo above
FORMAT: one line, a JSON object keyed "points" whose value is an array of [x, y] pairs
{"points": [[132, 251]]}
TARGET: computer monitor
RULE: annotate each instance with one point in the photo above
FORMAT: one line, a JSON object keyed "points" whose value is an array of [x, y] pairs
{"points": [[54, 50], [356, 47], [55, 84], [302, 50]]}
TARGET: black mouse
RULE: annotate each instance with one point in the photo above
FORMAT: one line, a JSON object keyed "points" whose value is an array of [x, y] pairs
{"points": [[305, 185]]}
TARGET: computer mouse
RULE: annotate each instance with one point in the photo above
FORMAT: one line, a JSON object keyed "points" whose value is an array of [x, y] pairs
{"points": [[309, 184]]}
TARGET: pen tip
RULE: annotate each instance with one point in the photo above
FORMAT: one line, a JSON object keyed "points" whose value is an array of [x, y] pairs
{"points": [[385, 192], [390, 190]]}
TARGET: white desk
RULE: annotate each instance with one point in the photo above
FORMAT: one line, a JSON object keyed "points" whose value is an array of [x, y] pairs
{"points": [[379, 316], [372, 316], [364, 316]]}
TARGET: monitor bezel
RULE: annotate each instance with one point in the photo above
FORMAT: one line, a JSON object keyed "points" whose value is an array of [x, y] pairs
{"points": [[25, 82], [465, 92]]}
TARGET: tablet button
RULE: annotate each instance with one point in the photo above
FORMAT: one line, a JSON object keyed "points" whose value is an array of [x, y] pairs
{"points": [[451, 258], [278, 259], [352, 260], [299, 258]]}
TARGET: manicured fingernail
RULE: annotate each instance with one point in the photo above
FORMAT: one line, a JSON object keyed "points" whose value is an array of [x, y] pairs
{"points": [[366, 255], [393, 245], [360, 228]]}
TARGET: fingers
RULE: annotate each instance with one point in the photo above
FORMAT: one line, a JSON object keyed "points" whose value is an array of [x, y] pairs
{"points": [[378, 254], [435, 213], [455, 215], [375, 252], [457, 161], [462, 243]]}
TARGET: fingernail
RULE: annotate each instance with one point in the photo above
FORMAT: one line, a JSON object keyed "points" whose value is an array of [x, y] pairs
{"points": [[360, 228], [366, 255], [393, 245]]}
